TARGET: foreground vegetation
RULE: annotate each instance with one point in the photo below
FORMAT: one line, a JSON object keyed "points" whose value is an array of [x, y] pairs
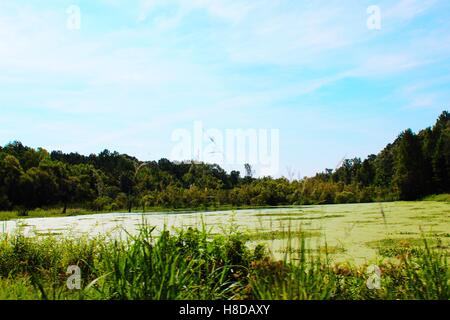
{"points": [[193, 264], [413, 166]]}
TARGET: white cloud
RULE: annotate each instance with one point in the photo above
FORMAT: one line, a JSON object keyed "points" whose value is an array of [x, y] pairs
{"points": [[405, 10], [423, 101], [387, 64], [428, 93], [230, 10], [36, 50]]}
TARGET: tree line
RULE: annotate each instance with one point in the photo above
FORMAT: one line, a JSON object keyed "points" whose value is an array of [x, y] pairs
{"points": [[413, 166]]}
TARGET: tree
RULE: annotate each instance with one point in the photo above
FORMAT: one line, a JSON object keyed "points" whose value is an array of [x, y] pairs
{"points": [[127, 183], [441, 162], [429, 139], [146, 201], [248, 170], [408, 175], [366, 173], [67, 184], [384, 167], [89, 183], [235, 177], [10, 173]]}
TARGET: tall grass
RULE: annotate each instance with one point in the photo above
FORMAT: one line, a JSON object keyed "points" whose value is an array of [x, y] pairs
{"points": [[193, 264], [182, 266]]}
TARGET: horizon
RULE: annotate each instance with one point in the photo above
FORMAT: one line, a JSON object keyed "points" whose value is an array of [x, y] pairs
{"points": [[124, 76], [293, 177]]}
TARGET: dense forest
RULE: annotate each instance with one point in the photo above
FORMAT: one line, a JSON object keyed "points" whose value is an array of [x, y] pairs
{"points": [[413, 166]]}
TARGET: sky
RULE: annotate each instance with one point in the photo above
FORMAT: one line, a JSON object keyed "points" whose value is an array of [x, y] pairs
{"points": [[83, 76]]}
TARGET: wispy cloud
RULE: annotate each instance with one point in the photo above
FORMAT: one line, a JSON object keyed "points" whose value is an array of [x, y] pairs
{"points": [[230, 10], [405, 10]]}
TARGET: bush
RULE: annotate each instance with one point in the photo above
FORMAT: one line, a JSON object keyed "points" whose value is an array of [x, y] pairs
{"points": [[22, 212], [345, 197], [101, 203]]}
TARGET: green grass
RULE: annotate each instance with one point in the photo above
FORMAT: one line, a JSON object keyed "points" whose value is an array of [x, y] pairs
{"points": [[281, 234], [193, 264], [43, 213], [438, 197]]}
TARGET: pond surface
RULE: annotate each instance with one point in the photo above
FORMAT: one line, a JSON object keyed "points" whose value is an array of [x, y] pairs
{"points": [[351, 232]]}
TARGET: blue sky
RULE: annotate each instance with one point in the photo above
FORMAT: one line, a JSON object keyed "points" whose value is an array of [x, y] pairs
{"points": [[138, 70]]}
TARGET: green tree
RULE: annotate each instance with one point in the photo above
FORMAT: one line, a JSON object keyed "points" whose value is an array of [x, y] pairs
{"points": [[10, 173], [408, 177], [441, 162]]}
